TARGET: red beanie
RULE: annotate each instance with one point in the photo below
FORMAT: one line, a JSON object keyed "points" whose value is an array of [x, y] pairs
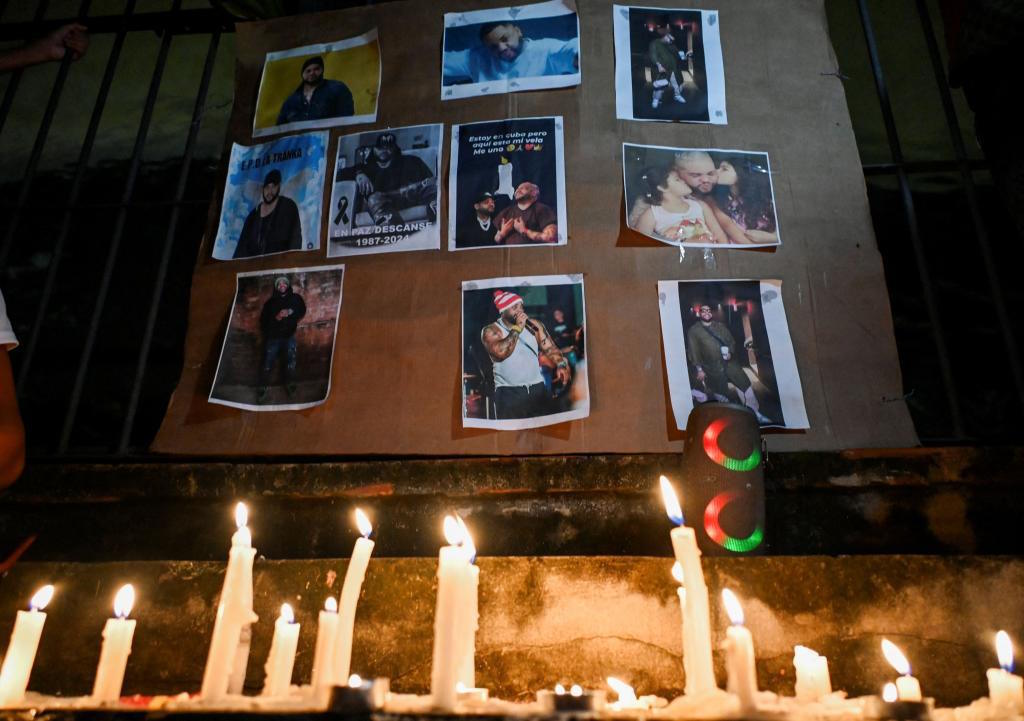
{"points": [[504, 298]]}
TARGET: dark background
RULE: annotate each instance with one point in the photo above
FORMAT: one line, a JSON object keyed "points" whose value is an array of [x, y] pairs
{"points": [[640, 37]]}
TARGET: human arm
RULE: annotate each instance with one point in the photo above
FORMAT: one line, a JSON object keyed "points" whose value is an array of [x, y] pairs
{"points": [[455, 65], [54, 46], [550, 350], [645, 224], [548, 234], [717, 233], [563, 56], [12, 431], [344, 105], [295, 227], [504, 224], [761, 236], [731, 229], [497, 347]]}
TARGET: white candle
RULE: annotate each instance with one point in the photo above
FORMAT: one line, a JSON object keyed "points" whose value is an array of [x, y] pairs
{"points": [[697, 661], [281, 659], [452, 575], [469, 612], [117, 645], [21, 650], [350, 589], [907, 687], [889, 693], [739, 655], [626, 696], [812, 678], [1004, 687], [323, 653], [234, 612]]}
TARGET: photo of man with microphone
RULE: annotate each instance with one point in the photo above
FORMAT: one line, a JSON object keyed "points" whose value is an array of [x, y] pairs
{"points": [[516, 343]]}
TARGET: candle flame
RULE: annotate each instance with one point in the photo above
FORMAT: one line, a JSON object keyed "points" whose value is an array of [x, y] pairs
{"points": [[732, 607], [41, 598], [889, 693], [355, 681], [677, 572], [805, 654], [467, 539], [672, 508], [624, 690], [895, 657], [363, 523], [331, 604], [287, 614], [124, 600], [452, 531], [576, 690], [241, 515], [1004, 650], [559, 689]]}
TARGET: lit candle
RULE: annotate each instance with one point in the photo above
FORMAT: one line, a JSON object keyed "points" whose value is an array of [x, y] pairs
{"points": [[907, 687], [234, 613], [1004, 687], [354, 575], [626, 696], [697, 663], [452, 576], [21, 650], [281, 659], [323, 653], [739, 655], [117, 644], [469, 613], [812, 679]]}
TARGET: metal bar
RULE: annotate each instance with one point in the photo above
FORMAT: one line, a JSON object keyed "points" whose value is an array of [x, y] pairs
{"points": [[927, 291], [115, 243], [922, 166], [981, 234], [182, 22], [40, 143], [76, 186], [12, 84], [165, 258]]}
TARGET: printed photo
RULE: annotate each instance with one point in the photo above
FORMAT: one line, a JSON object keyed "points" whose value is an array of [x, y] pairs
{"points": [[524, 357], [272, 198], [506, 184], [668, 65], [728, 341], [279, 346], [386, 194], [508, 50], [700, 198], [319, 86]]}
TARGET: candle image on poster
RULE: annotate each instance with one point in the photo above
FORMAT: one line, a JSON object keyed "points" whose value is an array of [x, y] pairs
{"points": [[700, 198], [510, 49], [506, 184], [273, 196], [385, 195], [728, 341], [668, 65], [319, 86], [279, 345], [524, 356]]}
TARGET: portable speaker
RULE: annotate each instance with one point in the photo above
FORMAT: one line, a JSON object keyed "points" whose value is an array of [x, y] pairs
{"points": [[723, 479]]}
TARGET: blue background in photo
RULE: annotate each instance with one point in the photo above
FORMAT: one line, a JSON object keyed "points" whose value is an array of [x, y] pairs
{"points": [[559, 27]]}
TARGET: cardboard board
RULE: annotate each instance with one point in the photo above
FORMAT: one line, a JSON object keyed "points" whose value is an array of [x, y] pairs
{"points": [[396, 384]]}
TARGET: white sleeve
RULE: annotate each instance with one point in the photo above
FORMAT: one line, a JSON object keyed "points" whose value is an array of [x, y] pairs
{"points": [[7, 338]]}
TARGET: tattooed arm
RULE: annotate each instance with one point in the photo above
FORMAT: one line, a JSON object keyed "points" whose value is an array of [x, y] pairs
{"points": [[498, 348], [548, 348]]}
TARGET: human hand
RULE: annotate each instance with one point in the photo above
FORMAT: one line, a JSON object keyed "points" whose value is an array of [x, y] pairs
{"points": [[73, 37], [520, 318], [563, 375], [700, 375], [661, 68], [364, 184], [506, 228], [519, 225]]}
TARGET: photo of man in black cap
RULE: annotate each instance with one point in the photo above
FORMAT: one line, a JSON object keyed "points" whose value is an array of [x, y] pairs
{"points": [[480, 231], [273, 226], [316, 98], [389, 182]]}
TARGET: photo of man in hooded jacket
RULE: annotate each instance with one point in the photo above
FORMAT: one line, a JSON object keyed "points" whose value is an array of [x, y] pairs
{"points": [[279, 320]]}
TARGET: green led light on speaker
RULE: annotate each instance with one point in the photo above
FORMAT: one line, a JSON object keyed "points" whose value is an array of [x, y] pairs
{"points": [[716, 454]]}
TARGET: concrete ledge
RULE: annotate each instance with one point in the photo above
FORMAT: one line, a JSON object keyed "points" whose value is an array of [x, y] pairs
{"points": [[549, 619]]}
